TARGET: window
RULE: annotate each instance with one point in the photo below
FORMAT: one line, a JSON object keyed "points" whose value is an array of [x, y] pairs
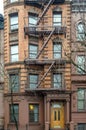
{"points": [[81, 32], [11, 1], [14, 112], [34, 113], [32, 19], [81, 126], [57, 50], [57, 79], [33, 49], [33, 81], [14, 22], [81, 64], [81, 99], [57, 18], [14, 53], [14, 82]]}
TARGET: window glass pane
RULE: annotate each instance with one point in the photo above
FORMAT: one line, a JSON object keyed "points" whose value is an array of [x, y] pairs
{"points": [[13, 1], [33, 49], [57, 80], [57, 19], [16, 112], [80, 94], [33, 19], [55, 116], [14, 58], [81, 32], [33, 113], [81, 126], [80, 105], [14, 49], [81, 64], [14, 53], [58, 115], [14, 22], [57, 50], [14, 82], [33, 81]]}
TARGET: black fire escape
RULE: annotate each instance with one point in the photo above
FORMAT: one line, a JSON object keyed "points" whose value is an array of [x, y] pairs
{"points": [[41, 31]]}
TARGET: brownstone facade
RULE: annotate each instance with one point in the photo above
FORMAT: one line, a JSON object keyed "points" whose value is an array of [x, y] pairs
{"points": [[37, 66], [78, 74], [1, 72]]}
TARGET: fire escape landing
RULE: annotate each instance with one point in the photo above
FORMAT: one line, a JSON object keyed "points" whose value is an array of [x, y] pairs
{"points": [[42, 30]]}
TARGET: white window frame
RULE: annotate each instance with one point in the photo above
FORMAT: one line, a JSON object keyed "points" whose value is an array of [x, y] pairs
{"points": [[14, 55]]}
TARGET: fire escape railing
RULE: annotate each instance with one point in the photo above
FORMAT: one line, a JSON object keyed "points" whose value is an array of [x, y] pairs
{"points": [[45, 43], [45, 10], [35, 28]]}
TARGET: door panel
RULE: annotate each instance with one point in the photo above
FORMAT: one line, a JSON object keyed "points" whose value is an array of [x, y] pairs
{"points": [[57, 115]]}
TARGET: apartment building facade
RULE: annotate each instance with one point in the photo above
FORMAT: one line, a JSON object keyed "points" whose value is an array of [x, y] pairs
{"points": [[78, 54], [1, 71], [37, 65]]}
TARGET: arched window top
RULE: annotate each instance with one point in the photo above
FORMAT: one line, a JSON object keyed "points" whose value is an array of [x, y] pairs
{"points": [[57, 39], [57, 9]]}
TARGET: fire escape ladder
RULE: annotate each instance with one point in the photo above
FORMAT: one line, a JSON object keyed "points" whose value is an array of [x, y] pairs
{"points": [[45, 74], [45, 43], [45, 10]]}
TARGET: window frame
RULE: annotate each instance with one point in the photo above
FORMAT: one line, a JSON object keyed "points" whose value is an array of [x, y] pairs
{"points": [[81, 32], [83, 126], [37, 118], [81, 65], [61, 86], [11, 16], [58, 23], [14, 54], [32, 16], [57, 52], [15, 89], [32, 55], [79, 99], [11, 113], [33, 83]]}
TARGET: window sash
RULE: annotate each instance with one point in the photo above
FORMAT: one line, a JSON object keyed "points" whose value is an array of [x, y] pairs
{"points": [[81, 63], [33, 81], [57, 19], [33, 49], [14, 53], [16, 111], [57, 50], [14, 22], [34, 113], [81, 99], [57, 81], [81, 32], [32, 20], [14, 82], [81, 126]]}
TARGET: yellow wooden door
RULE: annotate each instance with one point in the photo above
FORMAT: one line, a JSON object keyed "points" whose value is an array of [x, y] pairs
{"points": [[57, 115]]}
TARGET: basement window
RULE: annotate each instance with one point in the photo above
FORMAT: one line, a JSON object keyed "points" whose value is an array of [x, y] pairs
{"points": [[34, 113], [14, 113]]}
